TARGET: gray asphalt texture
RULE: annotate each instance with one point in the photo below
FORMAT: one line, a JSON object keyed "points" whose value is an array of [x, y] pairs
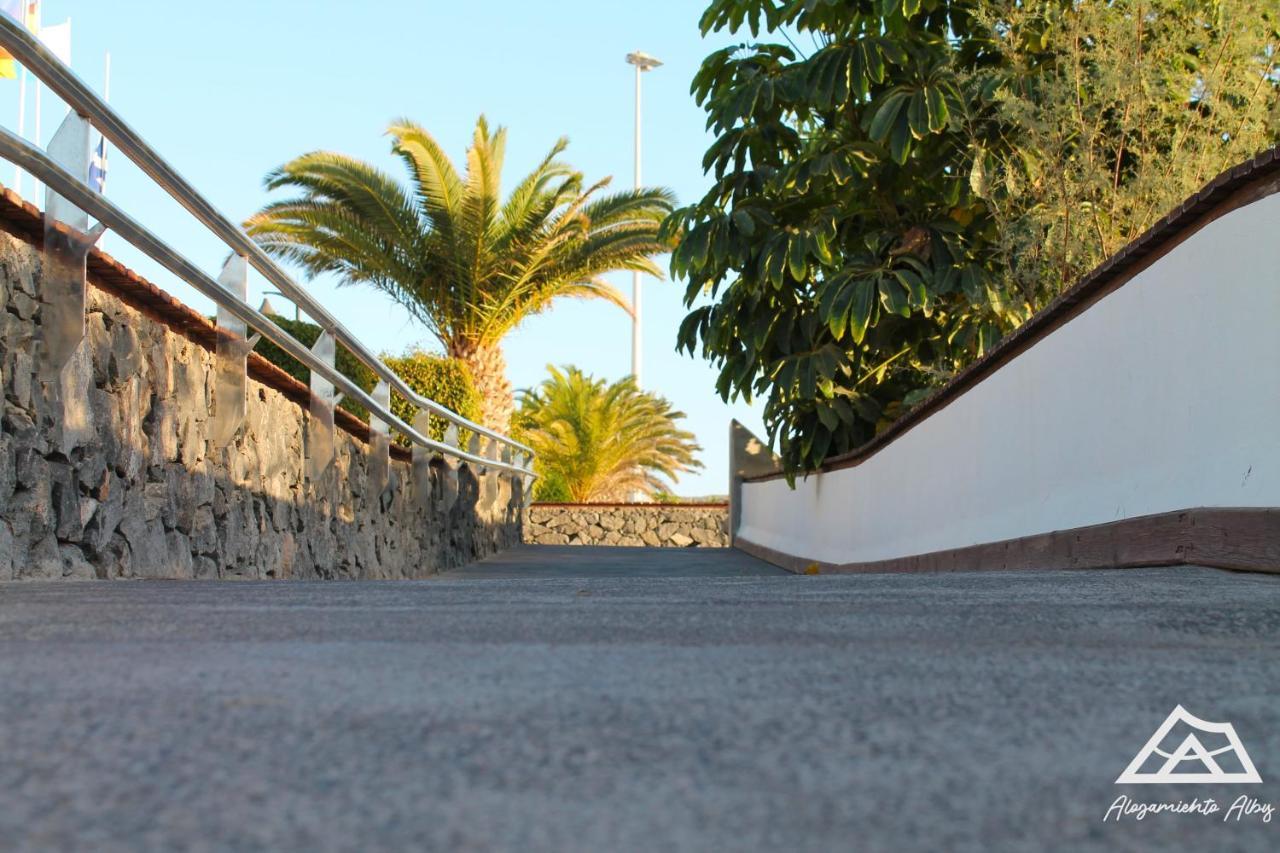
{"points": [[718, 706]]}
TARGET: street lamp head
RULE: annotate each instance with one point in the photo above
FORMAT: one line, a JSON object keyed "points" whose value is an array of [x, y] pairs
{"points": [[643, 61]]}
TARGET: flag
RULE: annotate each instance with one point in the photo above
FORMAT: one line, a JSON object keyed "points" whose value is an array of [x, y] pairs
{"points": [[58, 39], [26, 12], [98, 166]]}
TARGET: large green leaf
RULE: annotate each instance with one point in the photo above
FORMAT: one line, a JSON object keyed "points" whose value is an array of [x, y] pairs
{"points": [[886, 116], [861, 308]]}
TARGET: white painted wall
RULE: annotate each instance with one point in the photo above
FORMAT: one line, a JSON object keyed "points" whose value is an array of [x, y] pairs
{"points": [[1164, 395]]}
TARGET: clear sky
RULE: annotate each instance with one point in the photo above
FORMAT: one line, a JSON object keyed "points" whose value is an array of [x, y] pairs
{"points": [[227, 91]]}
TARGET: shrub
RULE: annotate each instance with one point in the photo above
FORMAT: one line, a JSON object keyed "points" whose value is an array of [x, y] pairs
{"points": [[445, 380], [307, 334], [551, 488]]}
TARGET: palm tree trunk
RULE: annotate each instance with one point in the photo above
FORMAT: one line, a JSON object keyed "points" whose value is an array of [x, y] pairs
{"points": [[489, 373]]}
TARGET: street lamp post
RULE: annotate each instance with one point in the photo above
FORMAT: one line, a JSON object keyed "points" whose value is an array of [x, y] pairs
{"points": [[643, 62]]}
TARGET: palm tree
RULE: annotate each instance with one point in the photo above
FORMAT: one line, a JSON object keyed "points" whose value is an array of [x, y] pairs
{"points": [[447, 248], [601, 442]]}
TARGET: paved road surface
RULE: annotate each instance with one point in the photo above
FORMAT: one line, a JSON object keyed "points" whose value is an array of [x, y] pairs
{"points": [[722, 706]]}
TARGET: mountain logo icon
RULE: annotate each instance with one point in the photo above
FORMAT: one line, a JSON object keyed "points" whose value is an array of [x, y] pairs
{"points": [[1177, 754]]}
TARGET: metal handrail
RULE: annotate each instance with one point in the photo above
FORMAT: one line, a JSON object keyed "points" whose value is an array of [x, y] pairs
{"points": [[22, 153], [41, 62]]}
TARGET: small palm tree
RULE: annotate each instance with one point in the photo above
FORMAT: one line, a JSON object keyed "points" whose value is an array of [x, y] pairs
{"points": [[602, 442], [447, 248]]}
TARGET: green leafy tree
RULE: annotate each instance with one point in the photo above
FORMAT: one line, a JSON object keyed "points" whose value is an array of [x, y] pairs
{"points": [[597, 441], [1121, 110], [836, 241], [460, 260], [887, 203]]}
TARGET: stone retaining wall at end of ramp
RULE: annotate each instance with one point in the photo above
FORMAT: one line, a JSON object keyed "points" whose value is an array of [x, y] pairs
{"points": [[111, 473], [634, 525]]}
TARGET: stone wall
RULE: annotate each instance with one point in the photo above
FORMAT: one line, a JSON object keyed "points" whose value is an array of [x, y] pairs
{"points": [[655, 525], [110, 474]]}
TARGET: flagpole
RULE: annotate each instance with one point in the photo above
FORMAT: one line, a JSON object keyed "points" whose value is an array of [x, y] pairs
{"points": [[22, 114], [102, 142], [35, 189]]}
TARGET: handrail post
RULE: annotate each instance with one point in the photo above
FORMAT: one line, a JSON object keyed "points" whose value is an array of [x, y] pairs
{"points": [[422, 459], [526, 481], [231, 353], [476, 447], [449, 473], [492, 479], [379, 443], [508, 480], [67, 240], [323, 401]]}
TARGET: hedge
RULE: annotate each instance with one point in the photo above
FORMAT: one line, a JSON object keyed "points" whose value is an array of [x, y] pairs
{"points": [[445, 380], [551, 488], [307, 334]]}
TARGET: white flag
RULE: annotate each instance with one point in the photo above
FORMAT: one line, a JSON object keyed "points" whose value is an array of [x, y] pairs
{"points": [[58, 39]]}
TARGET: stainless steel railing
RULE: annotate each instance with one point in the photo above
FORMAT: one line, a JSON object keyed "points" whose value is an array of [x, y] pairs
{"points": [[28, 50]]}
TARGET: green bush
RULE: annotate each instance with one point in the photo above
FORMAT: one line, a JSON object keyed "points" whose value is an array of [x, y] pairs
{"points": [[551, 488], [307, 334], [445, 380], [668, 498]]}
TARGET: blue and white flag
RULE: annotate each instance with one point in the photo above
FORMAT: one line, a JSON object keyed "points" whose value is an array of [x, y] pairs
{"points": [[98, 166]]}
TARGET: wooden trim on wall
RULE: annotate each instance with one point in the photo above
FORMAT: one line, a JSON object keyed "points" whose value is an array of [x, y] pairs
{"points": [[1237, 187], [1244, 539]]}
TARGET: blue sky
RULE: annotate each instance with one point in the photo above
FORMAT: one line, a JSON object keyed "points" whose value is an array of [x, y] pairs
{"points": [[228, 91]]}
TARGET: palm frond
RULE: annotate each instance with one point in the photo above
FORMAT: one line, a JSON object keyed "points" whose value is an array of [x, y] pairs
{"points": [[437, 184], [446, 246], [604, 441]]}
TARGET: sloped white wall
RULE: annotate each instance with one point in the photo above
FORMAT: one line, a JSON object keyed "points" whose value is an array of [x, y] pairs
{"points": [[1163, 396]]}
